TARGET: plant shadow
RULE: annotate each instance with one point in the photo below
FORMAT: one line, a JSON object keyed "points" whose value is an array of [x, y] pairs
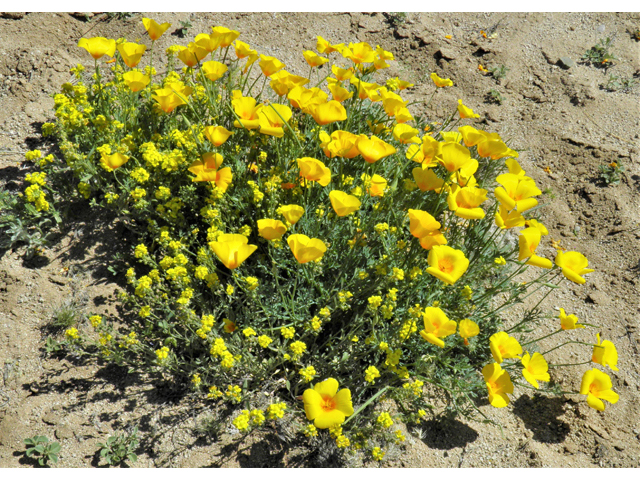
{"points": [[445, 433], [540, 415]]}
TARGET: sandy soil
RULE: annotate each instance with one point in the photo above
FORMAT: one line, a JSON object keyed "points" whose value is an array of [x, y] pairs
{"points": [[562, 121]]}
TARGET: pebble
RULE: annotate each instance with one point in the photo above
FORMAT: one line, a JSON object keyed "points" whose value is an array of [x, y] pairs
{"points": [[566, 62]]}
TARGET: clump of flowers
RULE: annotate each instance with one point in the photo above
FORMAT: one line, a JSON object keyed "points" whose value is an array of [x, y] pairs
{"points": [[305, 230]]}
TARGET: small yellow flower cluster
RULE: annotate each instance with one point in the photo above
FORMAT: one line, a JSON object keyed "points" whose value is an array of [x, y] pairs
{"points": [[370, 374], [162, 353], [72, 333], [95, 320], [377, 453], [233, 393], [220, 350], [287, 332], [276, 410], [307, 373], [385, 420]]}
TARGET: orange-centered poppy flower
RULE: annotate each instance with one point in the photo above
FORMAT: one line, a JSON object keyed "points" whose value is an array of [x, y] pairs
{"points": [[131, 53], [327, 406], [306, 249], [154, 29], [232, 249], [217, 135], [503, 346], [314, 170], [437, 326], [114, 161], [447, 264], [596, 385], [213, 70], [343, 203], [135, 80], [271, 229], [498, 384], [573, 264], [98, 46]]}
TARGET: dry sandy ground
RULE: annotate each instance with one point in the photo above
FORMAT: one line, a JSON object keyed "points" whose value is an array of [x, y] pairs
{"points": [[562, 121]]}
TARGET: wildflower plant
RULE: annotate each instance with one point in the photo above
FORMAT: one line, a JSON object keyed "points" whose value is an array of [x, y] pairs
{"points": [[304, 237]]}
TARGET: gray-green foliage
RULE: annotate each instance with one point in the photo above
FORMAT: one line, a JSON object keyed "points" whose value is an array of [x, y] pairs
{"points": [[41, 448], [119, 448]]}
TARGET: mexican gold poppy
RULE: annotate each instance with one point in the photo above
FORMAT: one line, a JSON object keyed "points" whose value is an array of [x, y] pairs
{"points": [[113, 161], [98, 46], [306, 249], [135, 80], [436, 326], [343, 203], [535, 368], [441, 82], [292, 213], [596, 385], [573, 264], [232, 249], [131, 53], [498, 384], [327, 406], [154, 29], [447, 264], [503, 346], [373, 149], [271, 229], [314, 170], [213, 70], [217, 135]]}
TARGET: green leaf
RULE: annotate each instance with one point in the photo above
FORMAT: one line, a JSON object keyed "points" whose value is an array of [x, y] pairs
{"points": [[39, 448], [53, 457], [133, 457], [55, 447], [29, 451]]}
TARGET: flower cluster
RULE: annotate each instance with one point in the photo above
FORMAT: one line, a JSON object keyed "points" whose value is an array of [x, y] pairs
{"points": [[339, 237]]}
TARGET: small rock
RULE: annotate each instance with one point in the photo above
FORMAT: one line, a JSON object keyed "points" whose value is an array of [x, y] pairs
{"points": [[566, 63], [599, 431], [57, 278], [570, 447], [447, 53], [620, 446], [598, 298], [13, 15], [51, 418], [63, 432]]}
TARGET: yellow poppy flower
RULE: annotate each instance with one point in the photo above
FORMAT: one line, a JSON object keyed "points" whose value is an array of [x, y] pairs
{"points": [[271, 229], [131, 53], [98, 46], [306, 249], [454, 156], [467, 329], [272, 119], [503, 346], [436, 326], [217, 135], [498, 384], [325, 47], [270, 65], [191, 54], [343, 203], [535, 368], [172, 96], [605, 354], [447, 264], [113, 161], [327, 406], [375, 186], [283, 82], [292, 213], [508, 219], [314, 170], [213, 70], [373, 149], [466, 112], [306, 99], [441, 82], [313, 59], [573, 264], [359, 53], [340, 144], [243, 49], [209, 43], [223, 36], [232, 249], [431, 239], [329, 112], [405, 134], [465, 202], [248, 111], [596, 385], [154, 29], [421, 223], [135, 80], [568, 322], [516, 192], [338, 93], [341, 74]]}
